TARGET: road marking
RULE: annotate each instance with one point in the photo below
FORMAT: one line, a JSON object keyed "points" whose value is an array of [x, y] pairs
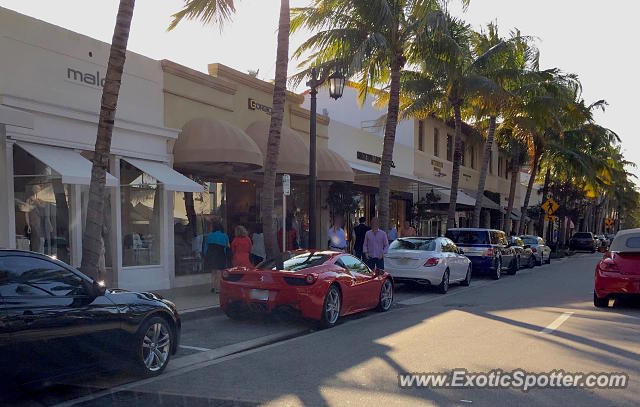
{"points": [[194, 348], [466, 401], [423, 299], [556, 324]]}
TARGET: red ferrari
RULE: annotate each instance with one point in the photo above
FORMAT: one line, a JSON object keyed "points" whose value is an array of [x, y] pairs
{"points": [[322, 285], [618, 273]]}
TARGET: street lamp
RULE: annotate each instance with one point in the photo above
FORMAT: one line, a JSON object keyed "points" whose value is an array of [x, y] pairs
{"points": [[336, 87]]}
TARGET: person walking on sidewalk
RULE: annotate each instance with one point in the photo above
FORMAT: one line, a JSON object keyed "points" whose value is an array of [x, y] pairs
{"points": [[257, 253], [216, 245], [360, 231], [375, 246], [241, 247], [407, 230], [337, 237]]}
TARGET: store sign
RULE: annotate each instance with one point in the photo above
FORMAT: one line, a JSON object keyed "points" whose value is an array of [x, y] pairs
{"points": [[436, 163], [286, 184], [86, 78], [372, 158], [253, 105]]}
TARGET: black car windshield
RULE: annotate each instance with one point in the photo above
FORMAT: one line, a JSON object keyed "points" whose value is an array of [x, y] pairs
{"points": [[582, 235], [428, 245], [298, 262], [468, 236]]}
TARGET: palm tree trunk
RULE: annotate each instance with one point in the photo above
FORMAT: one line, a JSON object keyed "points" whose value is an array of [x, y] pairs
{"points": [[534, 169], [389, 140], [545, 193], [483, 172], [91, 243], [455, 174], [512, 197], [273, 145]]}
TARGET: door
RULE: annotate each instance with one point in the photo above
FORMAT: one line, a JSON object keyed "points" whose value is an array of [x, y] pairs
{"points": [[51, 307], [366, 288], [499, 239], [460, 260]]}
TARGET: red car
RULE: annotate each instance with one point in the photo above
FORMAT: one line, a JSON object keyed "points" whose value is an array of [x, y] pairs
{"points": [[321, 285], [618, 273]]}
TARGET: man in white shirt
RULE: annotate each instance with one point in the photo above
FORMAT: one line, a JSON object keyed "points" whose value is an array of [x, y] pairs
{"points": [[337, 237]]}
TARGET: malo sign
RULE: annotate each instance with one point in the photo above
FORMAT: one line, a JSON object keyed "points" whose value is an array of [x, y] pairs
{"points": [[75, 75]]}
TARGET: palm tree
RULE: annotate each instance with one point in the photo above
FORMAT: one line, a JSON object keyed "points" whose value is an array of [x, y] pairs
{"points": [[370, 41], [452, 76], [92, 238], [513, 68], [517, 151], [219, 11]]}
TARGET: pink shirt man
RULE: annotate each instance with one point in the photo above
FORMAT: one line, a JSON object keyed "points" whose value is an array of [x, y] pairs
{"points": [[375, 244]]}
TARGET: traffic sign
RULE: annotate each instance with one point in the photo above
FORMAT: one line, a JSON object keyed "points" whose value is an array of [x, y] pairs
{"points": [[550, 206], [551, 218], [608, 222], [286, 184]]}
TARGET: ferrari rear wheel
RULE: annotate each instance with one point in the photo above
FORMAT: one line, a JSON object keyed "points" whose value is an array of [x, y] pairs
{"points": [[386, 296], [600, 302], [331, 307]]}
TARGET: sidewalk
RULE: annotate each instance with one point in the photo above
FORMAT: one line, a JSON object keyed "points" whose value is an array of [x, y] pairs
{"points": [[193, 298]]}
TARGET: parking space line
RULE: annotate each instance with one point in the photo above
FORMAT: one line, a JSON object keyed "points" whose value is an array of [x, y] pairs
{"points": [[556, 323], [423, 299], [194, 348]]}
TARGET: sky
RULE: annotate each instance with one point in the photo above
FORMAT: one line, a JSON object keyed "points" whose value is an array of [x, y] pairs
{"points": [[596, 40]]}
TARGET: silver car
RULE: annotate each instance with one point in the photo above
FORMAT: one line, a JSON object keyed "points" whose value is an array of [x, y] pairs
{"points": [[540, 250]]}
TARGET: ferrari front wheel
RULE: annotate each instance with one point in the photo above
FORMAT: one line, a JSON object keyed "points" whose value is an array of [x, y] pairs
{"points": [[331, 307], [386, 296]]}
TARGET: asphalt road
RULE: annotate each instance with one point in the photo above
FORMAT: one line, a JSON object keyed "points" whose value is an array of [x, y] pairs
{"points": [[540, 320]]}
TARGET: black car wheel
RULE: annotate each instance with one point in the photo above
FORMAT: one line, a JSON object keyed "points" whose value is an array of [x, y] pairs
{"points": [[548, 259], [600, 302], [467, 280], [386, 296], [153, 346], [444, 284], [515, 266], [532, 261]]}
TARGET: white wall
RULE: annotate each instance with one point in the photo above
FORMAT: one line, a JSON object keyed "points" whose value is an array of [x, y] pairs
{"points": [[346, 110]]}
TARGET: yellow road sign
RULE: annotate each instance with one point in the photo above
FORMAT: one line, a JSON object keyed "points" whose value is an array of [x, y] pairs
{"points": [[550, 206], [550, 218], [608, 222]]}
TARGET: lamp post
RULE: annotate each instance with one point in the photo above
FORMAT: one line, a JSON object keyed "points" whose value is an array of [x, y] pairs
{"points": [[336, 87]]}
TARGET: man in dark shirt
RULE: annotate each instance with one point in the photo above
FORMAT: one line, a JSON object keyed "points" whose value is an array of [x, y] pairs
{"points": [[359, 232]]}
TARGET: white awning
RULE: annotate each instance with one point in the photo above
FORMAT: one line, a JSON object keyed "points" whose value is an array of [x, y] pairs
{"points": [[15, 117], [70, 165], [170, 178]]}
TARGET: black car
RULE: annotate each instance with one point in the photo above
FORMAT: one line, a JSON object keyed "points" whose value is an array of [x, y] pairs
{"points": [[524, 254], [487, 249], [583, 241], [51, 314]]}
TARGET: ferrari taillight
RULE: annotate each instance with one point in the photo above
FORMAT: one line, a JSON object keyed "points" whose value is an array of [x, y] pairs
{"points": [[608, 265], [433, 261]]}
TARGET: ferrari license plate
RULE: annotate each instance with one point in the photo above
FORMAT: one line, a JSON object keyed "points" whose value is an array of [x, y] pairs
{"points": [[260, 295]]}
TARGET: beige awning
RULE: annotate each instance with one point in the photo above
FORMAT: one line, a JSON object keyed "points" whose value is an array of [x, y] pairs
{"points": [[209, 146], [332, 167], [294, 154]]}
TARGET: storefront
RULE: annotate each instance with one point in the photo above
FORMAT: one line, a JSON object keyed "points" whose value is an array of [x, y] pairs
{"points": [[224, 119], [50, 86]]}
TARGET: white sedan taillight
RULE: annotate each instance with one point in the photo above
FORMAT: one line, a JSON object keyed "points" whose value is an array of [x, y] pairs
{"points": [[432, 261]]}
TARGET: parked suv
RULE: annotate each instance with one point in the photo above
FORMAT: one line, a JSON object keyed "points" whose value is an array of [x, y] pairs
{"points": [[488, 249], [583, 241]]}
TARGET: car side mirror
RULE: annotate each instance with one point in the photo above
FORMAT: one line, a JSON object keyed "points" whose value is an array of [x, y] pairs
{"points": [[460, 251], [98, 288]]}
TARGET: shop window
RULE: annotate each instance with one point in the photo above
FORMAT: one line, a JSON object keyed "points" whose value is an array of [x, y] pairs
{"points": [[41, 207], [193, 217], [462, 154], [141, 197], [436, 142], [449, 147], [490, 162], [421, 135], [473, 157]]}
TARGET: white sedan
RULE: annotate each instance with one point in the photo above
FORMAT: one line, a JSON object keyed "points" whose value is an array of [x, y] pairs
{"points": [[435, 261]]}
